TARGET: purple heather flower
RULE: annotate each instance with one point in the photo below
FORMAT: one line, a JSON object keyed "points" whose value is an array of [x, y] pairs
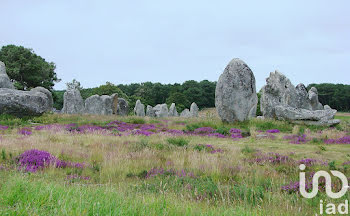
{"points": [[204, 130], [34, 159], [342, 140], [25, 131], [235, 131], [3, 127], [273, 131]]}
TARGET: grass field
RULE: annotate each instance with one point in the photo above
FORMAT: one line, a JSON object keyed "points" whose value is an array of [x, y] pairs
{"points": [[108, 165]]}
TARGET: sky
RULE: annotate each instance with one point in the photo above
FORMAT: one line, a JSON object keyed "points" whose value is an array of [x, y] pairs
{"points": [[95, 41]]}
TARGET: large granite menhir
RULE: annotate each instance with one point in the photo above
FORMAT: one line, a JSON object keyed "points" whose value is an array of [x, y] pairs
{"points": [[73, 103], [281, 100], [235, 94]]}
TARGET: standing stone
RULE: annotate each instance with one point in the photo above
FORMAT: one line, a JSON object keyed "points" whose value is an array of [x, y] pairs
{"points": [[123, 107], [5, 81], [313, 96], [115, 103], [139, 109], [185, 113], [194, 110], [73, 103], [173, 111], [235, 94], [150, 111], [161, 110], [99, 105]]}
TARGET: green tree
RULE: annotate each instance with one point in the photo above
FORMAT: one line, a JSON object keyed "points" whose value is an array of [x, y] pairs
{"points": [[27, 69], [179, 99]]}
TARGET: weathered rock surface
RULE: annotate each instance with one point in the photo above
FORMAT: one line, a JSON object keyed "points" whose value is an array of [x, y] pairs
{"points": [[150, 111], [313, 96], [99, 105], [235, 94], [186, 113], [73, 103], [314, 117], [5, 81], [115, 103], [281, 100], [194, 110], [123, 107], [139, 109], [22, 103], [161, 110], [173, 111]]}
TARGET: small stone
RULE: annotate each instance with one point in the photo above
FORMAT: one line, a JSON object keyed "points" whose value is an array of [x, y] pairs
{"points": [[186, 113]]}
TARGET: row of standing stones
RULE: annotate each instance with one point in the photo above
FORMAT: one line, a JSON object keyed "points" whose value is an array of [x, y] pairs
{"points": [[73, 103], [236, 98], [161, 110]]}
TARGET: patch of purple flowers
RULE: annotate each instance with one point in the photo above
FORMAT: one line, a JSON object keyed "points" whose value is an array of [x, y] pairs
{"points": [[25, 131], [273, 131], [296, 139], [209, 148], [236, 133], [34, 160], [342, 140], [272, 157], [293, 187], [3, 127]]}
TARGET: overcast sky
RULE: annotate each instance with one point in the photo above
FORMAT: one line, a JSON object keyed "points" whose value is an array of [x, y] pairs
{"points": [[174, 41]]}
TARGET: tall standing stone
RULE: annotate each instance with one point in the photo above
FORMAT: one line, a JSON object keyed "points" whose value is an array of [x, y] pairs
{"points": [[99, 105], [194, 110], [123, 107], [115, 103], [173, 111], [5, 81], [235, 94], [139, 109], [150, 111], [161, 110], [73, 103]]}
